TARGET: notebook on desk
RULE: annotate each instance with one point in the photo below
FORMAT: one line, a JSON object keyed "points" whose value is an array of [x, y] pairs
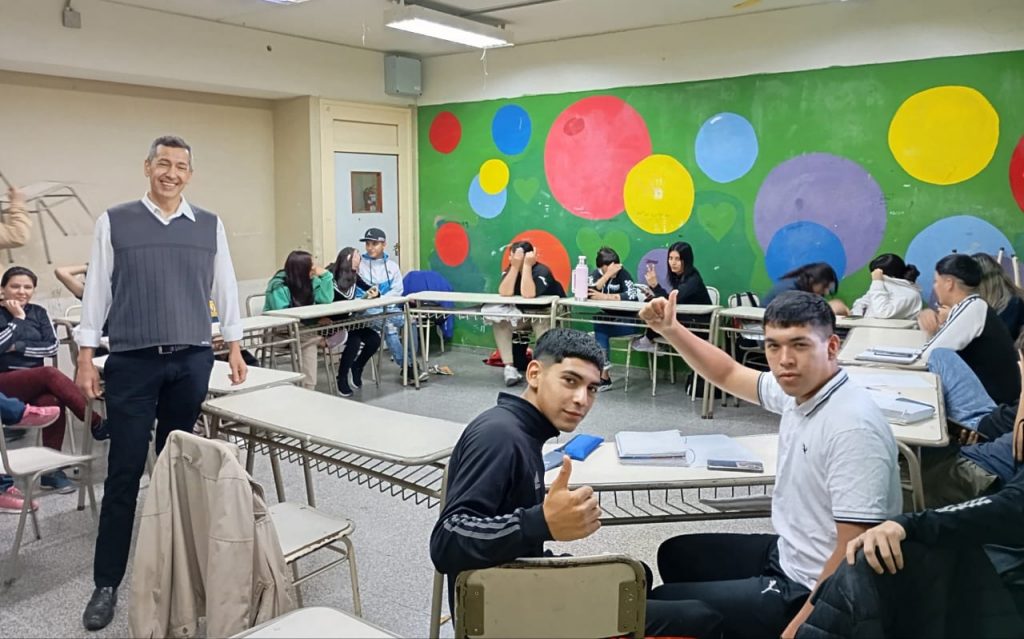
{"points": [[901, 410], [890, 355]]}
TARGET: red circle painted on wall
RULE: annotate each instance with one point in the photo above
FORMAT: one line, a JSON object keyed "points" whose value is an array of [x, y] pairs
{"points": [[1017, 173], [445, 132], [550, 252], [590, 148], [451, 243]]}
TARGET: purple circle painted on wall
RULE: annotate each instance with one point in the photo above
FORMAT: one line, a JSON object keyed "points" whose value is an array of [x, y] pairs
{"points": [[658, 257], [828, 190]]}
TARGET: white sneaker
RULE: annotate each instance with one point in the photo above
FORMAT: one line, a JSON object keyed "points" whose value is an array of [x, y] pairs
{"points": [[512, 376], [644, 345]]}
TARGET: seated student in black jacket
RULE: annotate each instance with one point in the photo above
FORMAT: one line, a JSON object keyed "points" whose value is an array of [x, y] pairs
{"points": [[496, 510], [684, 277], [953, 572], [611, 281]]}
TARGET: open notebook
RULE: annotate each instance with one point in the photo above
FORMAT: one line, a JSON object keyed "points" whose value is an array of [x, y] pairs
{"points": [[890, 354]]}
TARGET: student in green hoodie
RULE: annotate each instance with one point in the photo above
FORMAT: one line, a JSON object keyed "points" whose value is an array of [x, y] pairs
{"points": [[300, 283]]}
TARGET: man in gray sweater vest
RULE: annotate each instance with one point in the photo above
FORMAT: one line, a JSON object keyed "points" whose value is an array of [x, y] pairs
{"points": [[156, 263]]}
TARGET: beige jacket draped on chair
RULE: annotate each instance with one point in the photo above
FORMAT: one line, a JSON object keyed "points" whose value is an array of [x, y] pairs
{"points": [[206, 547]]}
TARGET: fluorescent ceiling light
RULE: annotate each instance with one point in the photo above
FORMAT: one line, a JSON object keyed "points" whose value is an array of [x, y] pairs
{"points": [[285, 1], [445, 26]]}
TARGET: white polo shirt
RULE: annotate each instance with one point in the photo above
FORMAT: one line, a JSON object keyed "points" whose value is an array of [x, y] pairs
{"points": [[837, 463]]}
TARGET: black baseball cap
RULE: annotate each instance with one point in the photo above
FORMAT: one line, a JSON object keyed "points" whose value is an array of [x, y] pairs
{"points": [[374, 235]]}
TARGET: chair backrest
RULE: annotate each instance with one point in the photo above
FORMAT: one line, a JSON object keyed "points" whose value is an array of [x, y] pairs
{"points": [[746, 298], [716, 297], [73, 312], [254, 304], [599, 596]]}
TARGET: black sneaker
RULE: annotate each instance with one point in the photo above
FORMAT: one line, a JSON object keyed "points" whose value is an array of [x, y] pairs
{"points": [[99, 612], [357, 377], [101, 431], [343, 388], [606, 384]]}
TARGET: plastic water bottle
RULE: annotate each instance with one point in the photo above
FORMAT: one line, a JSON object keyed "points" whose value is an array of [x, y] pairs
{"points": [[580, 278]]}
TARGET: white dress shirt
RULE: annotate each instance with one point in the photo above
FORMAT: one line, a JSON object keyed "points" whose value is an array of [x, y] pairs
{"points": [[98, 295]]}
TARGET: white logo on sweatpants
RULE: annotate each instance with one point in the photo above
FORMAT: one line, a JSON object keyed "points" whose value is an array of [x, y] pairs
{"points": [[771, 587]]}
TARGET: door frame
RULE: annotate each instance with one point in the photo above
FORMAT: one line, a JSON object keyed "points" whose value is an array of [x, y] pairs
{"points": [[399, 141]]}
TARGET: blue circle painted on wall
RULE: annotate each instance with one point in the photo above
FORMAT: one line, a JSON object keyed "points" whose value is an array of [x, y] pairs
{"points": [[511, 129], [801, 243], [726, 147], [962, 233], [483, 203]]}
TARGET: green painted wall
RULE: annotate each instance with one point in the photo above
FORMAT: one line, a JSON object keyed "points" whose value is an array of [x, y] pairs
{"points": [[845, 112]]}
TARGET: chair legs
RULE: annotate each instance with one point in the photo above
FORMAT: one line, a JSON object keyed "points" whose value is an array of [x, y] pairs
{"points": [[11, 572], [357, 602]]}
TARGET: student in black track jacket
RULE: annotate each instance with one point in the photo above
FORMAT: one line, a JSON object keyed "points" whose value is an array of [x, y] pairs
{"points": [[955, 571], [496, 509]]}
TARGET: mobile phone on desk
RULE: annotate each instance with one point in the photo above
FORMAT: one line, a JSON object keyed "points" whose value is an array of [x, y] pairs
{"points": [[736, 465], [553, 458]]}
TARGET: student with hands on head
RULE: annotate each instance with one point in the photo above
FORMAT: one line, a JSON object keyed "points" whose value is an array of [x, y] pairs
{"points": [[525, 277], [837, 471]]}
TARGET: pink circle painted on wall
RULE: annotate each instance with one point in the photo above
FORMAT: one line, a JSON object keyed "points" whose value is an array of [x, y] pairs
{"points": [[590, 148], [451, 243], [445, 132]]}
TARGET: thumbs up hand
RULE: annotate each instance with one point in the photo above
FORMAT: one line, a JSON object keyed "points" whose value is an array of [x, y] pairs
{"points": [[570, 514]]}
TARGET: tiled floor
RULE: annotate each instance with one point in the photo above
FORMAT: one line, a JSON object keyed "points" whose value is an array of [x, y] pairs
{"points": [[391, 535]]}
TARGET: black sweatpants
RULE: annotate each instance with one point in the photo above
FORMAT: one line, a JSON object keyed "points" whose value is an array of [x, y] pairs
{"points": [[141, 387], [737, 576]]}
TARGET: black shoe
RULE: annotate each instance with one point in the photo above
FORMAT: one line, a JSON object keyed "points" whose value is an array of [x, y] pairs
{"points": [[343, 388], [423, 376], [99, 612], [606, 384], [101, 431], [357, 377]]}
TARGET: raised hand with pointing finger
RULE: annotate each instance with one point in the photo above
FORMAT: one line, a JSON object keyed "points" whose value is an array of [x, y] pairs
{"points": [[660, 313], [570, 513]]}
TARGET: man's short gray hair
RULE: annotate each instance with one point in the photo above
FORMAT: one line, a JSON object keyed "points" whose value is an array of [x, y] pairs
{"points": [[171, 141]]}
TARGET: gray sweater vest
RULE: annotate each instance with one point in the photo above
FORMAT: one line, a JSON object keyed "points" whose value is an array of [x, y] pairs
{"points": [[162, 278]]}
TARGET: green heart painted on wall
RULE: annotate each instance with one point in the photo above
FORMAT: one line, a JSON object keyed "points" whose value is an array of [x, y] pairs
{"points": [[717, 218], [526, 188], [589, 241]]}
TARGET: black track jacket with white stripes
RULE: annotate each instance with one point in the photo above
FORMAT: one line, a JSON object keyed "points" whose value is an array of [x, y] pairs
{"points": [[26, 343], [493, 511]]}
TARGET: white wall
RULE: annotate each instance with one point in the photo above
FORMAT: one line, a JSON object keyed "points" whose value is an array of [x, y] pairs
{"points": [[95, 135], [817, 36], [120, 43]]}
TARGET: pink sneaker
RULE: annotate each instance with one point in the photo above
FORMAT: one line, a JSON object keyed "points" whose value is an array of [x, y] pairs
{"points": [[11, 501], [38, 416]]}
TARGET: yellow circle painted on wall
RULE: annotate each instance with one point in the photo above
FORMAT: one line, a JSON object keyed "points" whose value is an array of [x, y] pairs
{"points": [[944, 135], [493, 176], [658, 194]]}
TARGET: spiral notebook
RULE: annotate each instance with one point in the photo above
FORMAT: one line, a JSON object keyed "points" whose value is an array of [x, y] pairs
{"points": [[890, 355]]}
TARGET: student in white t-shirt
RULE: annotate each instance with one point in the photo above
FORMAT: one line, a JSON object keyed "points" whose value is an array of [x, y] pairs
{"points": [[837, 472]]}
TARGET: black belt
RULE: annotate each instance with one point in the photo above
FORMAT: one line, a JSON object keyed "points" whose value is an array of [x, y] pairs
{"points": [[166, 349]]}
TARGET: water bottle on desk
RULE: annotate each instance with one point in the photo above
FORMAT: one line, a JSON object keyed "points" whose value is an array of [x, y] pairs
{"points": [[580, 279]]}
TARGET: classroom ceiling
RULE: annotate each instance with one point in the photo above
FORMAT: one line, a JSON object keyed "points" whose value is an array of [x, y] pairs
{"points": [[359, 23]]}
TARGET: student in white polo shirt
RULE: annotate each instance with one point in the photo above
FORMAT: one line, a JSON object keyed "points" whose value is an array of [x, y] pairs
{"points": [[837, 472]]}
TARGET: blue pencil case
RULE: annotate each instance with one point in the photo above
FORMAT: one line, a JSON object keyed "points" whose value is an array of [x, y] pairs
{"points": [[580, 446]]}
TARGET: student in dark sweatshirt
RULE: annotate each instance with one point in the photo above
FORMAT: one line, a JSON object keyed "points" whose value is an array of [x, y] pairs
{"points": [[611, 281], [496, 509], [684, 277]]}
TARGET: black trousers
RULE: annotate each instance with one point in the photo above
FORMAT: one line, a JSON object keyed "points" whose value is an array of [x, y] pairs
{"points": [[141, 387], [352, 357], [736, 576]]}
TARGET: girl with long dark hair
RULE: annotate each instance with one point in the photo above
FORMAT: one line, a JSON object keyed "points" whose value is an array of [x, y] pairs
{"points": [[362, 343]]}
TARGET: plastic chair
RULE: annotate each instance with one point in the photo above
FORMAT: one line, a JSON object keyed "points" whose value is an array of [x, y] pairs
{"points": [[599, 596], [26, 465]]}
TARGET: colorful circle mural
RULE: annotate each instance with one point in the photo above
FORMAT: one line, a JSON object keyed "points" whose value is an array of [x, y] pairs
{"points": [[590, 148], [493, 176], [486, 205], [451, 243], [511, 128], [658, 194], [801, 243], [944, 135], [829, 190], [962, 233], [445, 132], [726, 147], [1017, 173], [550, 252]]}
